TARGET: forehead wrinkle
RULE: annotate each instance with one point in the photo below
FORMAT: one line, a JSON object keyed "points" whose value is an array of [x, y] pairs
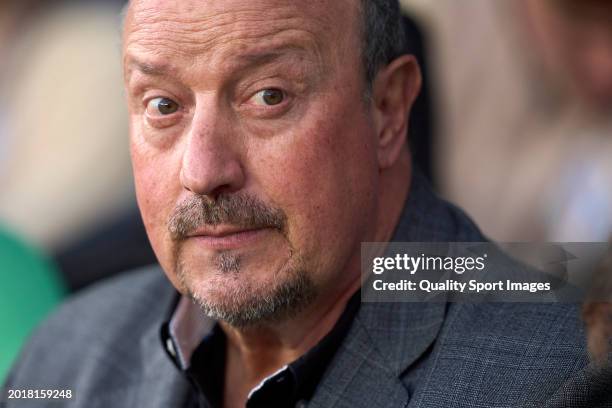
{"points": [[218, 42], [253, 59], [272, 52], [232, 46], [231, 56], [196, 34], [159, 30]]}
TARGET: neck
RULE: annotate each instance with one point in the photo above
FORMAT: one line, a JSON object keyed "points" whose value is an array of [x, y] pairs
{"points": [[262, 350], [256, 352], [393, 191]]}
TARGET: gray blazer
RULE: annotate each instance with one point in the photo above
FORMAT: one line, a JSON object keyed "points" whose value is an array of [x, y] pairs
{"points": [[104, 345]]}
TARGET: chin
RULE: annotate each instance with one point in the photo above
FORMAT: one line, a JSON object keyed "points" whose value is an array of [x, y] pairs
{"points": [[245, 292]]}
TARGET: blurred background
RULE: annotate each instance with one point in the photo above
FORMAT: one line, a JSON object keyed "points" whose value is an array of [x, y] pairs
{"points": [[523, 92], [514, 125], [65, 182]]}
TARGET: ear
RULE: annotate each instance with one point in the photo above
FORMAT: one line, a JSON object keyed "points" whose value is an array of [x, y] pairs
{"points": [[395, 88]]}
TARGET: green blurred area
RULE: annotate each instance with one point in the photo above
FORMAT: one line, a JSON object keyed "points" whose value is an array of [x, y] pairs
{"points": [[30, 286]]}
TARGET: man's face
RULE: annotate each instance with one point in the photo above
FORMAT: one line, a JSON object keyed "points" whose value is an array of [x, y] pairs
{"points": [[253, 149]]}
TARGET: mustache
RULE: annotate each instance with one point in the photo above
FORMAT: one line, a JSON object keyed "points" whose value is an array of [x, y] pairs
{"points": [[243, 211]]}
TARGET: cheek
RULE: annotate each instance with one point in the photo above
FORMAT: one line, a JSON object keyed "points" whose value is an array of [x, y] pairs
{"points": [[325, 178], [155, 192]]}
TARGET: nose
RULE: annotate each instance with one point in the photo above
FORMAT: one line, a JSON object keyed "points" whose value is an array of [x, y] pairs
{"points": [[211, 162]]}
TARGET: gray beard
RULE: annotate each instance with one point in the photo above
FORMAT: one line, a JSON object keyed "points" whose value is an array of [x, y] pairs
{"points": [[245, 306]]}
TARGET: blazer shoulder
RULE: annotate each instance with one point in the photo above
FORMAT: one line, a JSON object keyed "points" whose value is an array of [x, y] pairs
{"points": [[552, 323], [96, 332], [138, 295]]}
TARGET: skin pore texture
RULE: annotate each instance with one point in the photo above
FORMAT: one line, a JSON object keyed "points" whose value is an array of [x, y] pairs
{"points": [[260, 165]]}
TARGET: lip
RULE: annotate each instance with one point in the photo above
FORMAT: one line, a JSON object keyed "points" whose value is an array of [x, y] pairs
{"points": [[223, 238]]}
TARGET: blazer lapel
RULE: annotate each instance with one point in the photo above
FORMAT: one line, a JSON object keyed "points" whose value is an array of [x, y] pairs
{"points": [[162, 389], [359, 377], [156, 382], [384, 340], [162, 385]]}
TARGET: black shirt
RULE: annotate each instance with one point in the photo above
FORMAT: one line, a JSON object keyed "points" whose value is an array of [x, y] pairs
{"points": [[289, 387]]}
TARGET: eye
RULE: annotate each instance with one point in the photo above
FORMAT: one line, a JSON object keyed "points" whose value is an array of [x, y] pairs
{"points": [[269, 97], [162, 106]]}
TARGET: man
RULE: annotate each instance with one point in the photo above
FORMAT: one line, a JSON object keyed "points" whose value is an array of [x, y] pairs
{"points": [[268, 143]]}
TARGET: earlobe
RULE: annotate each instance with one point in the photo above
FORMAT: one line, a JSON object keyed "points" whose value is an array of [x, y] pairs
{"points": [[394, 91]]}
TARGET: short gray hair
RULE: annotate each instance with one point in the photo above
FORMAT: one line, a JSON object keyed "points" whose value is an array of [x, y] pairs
{"points": [[383, 35]]}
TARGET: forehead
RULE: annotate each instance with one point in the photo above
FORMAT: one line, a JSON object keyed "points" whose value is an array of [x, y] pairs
{"points": [[219, 29]]}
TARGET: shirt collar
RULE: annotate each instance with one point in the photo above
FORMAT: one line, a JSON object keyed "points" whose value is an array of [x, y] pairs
{"points": [[190, 332], [187, 327]]}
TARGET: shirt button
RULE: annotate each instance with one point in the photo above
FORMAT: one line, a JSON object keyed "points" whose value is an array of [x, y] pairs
{"points": [[170, 347]]}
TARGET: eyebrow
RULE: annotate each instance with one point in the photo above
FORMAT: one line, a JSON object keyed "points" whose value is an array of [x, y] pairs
{"points": [[148, 68]]}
